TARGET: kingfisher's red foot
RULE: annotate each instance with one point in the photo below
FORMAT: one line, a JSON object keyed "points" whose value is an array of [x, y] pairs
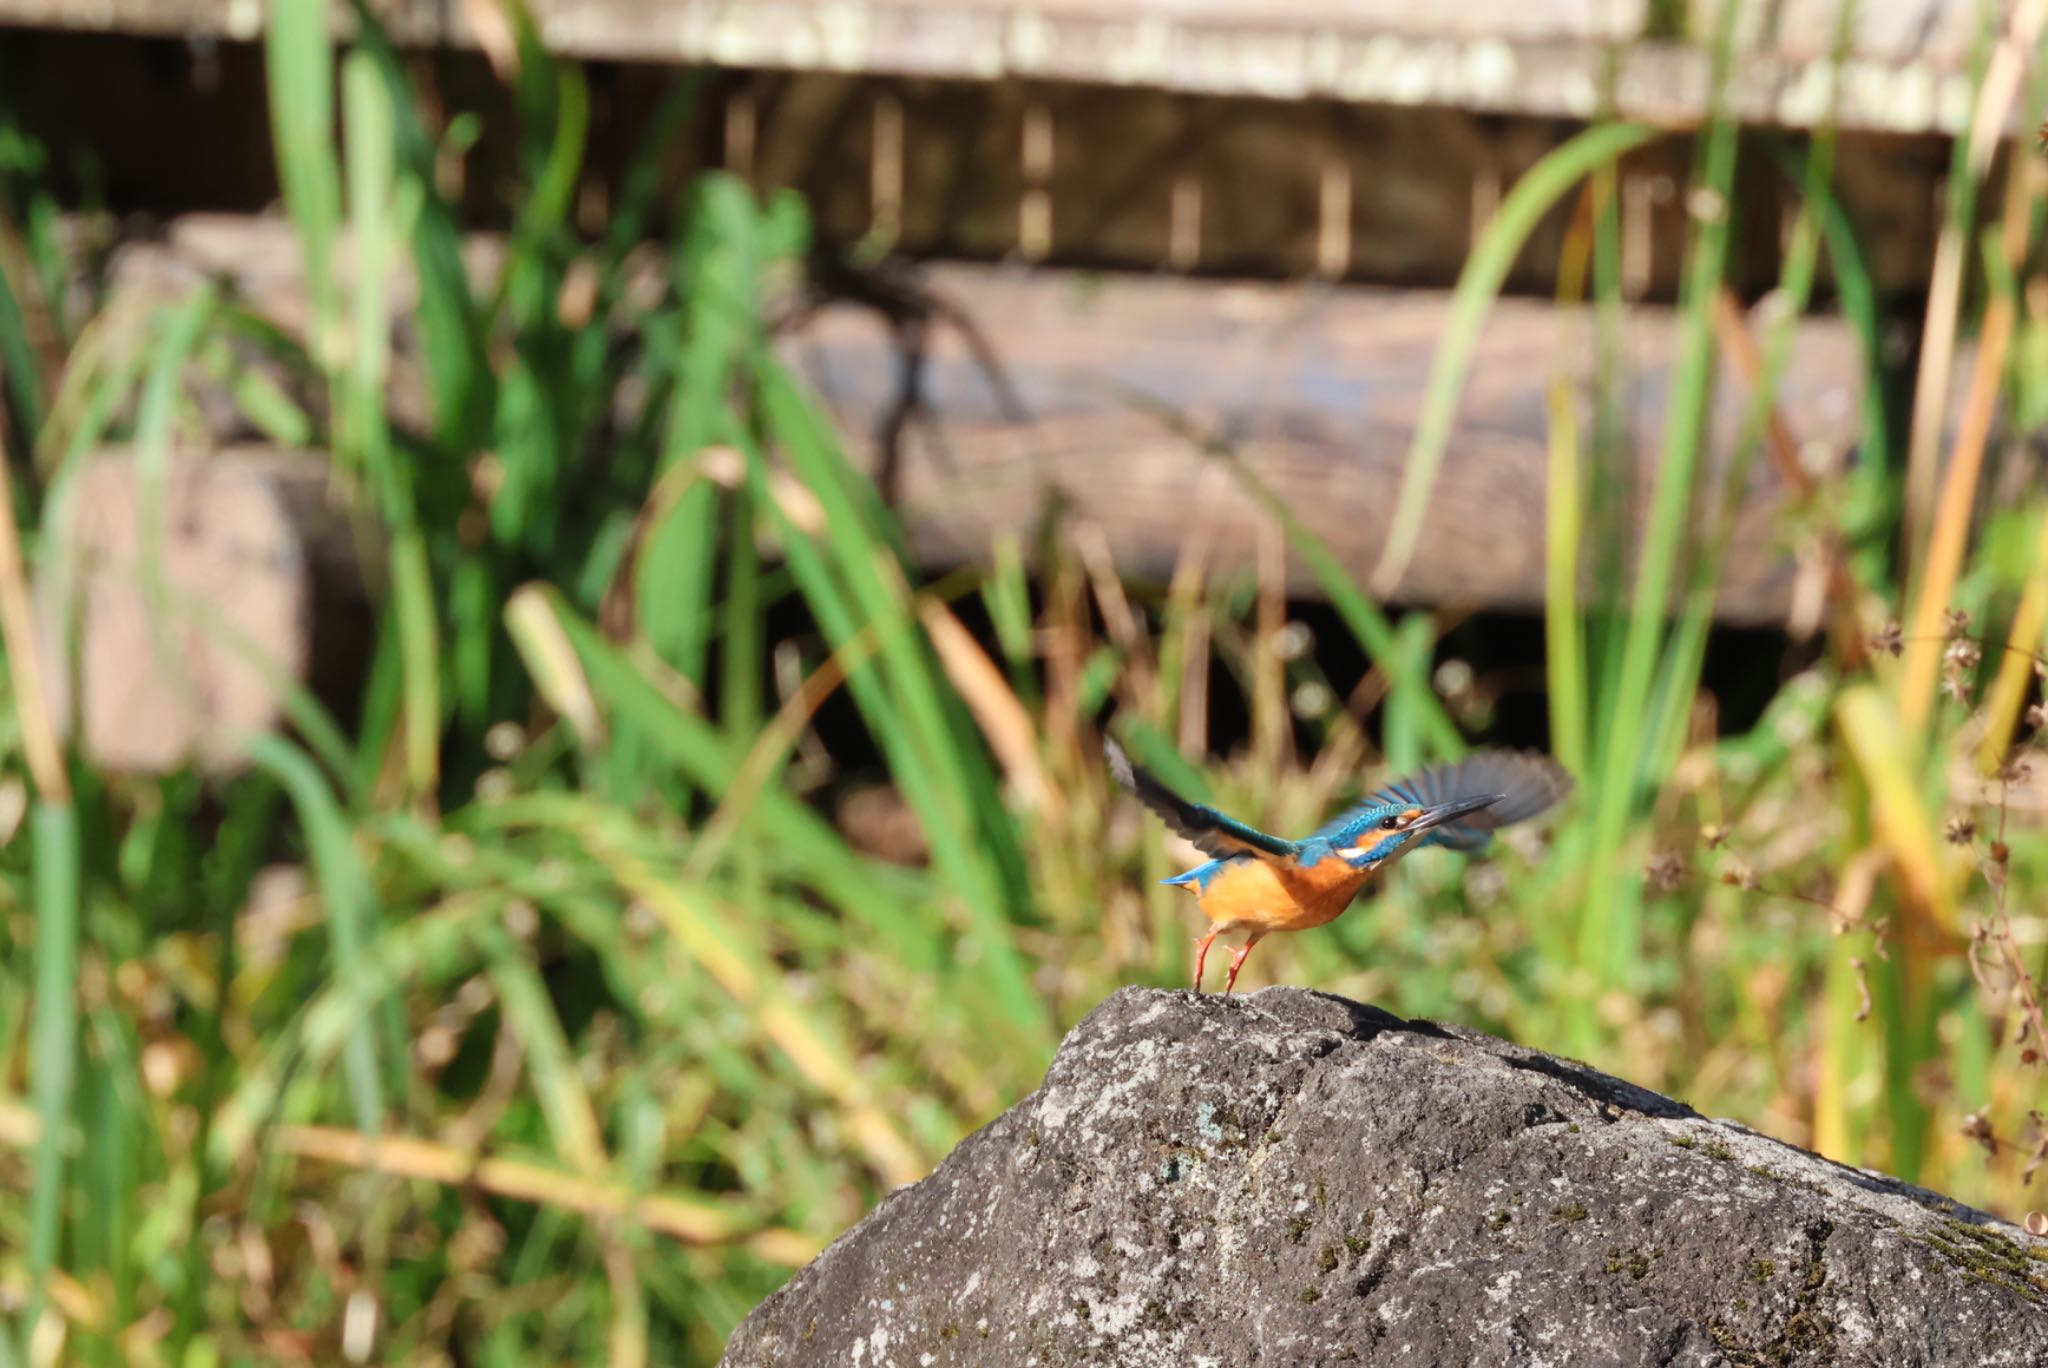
{"points": [[1202, 955], [1237, 960]]}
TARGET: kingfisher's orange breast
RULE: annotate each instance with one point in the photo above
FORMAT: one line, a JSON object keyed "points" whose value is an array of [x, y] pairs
{"points": [[1280, 897]]}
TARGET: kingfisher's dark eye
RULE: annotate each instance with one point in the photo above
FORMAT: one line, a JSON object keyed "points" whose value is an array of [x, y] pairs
{"points": [[1390, 823]]}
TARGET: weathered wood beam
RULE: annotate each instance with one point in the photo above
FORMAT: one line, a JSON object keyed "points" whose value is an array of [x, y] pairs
{"points": [[1907, 70], [1317, 388]]}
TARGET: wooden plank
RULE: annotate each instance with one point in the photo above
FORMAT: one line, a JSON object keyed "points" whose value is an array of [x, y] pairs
{"points": [[1320, 389], [1143, 180], [1138, 179], [1908, 70]]}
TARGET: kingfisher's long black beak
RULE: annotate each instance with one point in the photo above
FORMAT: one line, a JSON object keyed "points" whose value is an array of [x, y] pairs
{"points": [[1452, 811]]}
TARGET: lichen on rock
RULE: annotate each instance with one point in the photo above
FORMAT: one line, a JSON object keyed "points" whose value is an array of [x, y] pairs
{"points": [[1290, 1178]]}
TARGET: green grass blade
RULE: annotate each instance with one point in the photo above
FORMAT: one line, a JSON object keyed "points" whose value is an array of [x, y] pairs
{"points": [[640, 189], [155, 411], [1006, 593], [716, 270], [799, 839], [1403, 735], [1686, 654], [1613, 504], [112, 1192], [1874, 505], [18, 367], [1486, 269], [374, 235], [1564, 649], [858, 585], [33, 280], [1608, 936], [1368, 624], [419, 649], [299, 62], [54, 1046], [552, 94], [743, 611], [1946, 290], [377, 224], [452, 347], [571, 1119], [350, 905]]}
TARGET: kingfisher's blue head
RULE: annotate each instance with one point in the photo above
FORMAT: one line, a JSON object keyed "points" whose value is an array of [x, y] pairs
{"points": [[1384, 832]]}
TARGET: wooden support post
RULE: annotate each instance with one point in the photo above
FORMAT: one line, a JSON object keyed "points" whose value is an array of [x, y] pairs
{"points": [[739, 135], [1034, 211], [1640, 197], [1184, 236], [1333, 226], [885, 173], [1485, 196]]}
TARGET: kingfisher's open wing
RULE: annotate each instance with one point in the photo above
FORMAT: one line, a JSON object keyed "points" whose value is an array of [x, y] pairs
{"points": [[1528, 783], [1212, 832]]}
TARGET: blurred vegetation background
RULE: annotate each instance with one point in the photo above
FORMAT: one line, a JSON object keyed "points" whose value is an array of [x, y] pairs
{"points": [[542, 1009]]}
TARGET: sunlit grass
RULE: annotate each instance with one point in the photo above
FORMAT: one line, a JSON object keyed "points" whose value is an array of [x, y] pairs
{"points": [[541, 1011]]}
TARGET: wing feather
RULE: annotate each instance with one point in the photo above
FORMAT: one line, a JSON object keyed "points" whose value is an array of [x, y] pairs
{"points": [[1212, 832], [1527, 781]]}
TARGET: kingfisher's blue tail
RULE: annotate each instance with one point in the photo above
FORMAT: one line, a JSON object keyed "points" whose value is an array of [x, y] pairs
{"points": [[1199, 876]]}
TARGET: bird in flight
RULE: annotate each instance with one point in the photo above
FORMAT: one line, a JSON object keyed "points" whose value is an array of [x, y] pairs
{"points": [[1259, 884]]}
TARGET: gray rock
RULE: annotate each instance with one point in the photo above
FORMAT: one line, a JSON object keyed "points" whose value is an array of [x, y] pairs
{"points": [[1290, 1178]]}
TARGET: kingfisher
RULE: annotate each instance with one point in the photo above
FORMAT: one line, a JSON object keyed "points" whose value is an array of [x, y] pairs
{"points": [[1259, 884]]}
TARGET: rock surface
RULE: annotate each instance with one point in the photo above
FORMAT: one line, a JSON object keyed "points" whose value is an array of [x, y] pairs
{"points": [[1290, 1178]]}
